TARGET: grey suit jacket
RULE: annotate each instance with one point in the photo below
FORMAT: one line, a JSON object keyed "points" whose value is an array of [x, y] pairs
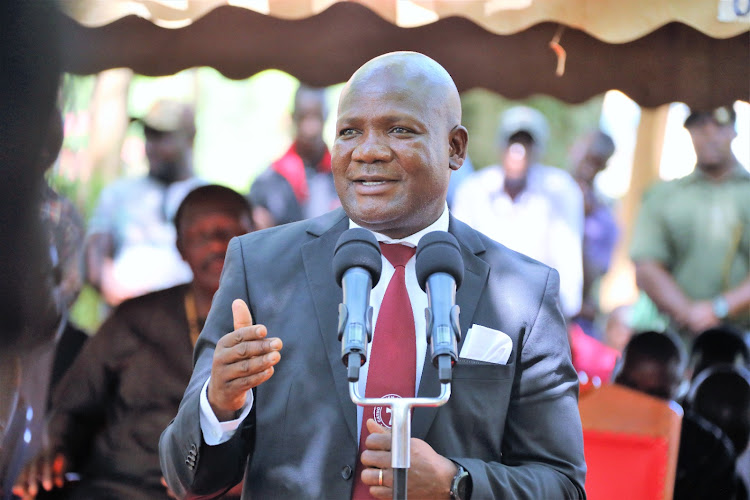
{"points": [[514, 427]]}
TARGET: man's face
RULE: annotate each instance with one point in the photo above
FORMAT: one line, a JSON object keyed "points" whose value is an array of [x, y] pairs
{"points": [[392, 157], [166, 154], [712, 143], [517, 156], [590, 165], [308, 120], [203, 241]]}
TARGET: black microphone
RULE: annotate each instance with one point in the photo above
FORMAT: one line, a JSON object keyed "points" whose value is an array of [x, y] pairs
{"points": [[440, 271], [356, 266]]}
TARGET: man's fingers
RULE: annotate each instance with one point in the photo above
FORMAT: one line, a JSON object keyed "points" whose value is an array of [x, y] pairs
{"points": [[246, 349], [249, 366], [378, 446], [247, 382], [46, 474], [381, 492], [58, 470], [376, 428], [31, 479], [19, 489], [379, 438], [371, 477], [241, 314]]}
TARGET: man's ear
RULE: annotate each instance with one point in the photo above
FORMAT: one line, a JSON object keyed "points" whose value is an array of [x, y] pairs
{"points": [[458, 141], [180, 247]]}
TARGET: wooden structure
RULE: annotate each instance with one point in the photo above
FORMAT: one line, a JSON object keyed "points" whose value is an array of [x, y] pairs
{"points": [[656, 51]]}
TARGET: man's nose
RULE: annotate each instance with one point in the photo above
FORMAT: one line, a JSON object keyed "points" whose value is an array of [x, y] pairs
{"points": [[218, 244], [372, 148]]}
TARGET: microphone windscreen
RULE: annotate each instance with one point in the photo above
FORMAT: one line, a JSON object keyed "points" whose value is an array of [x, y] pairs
{"points": [[438, 252], [357, 247]]}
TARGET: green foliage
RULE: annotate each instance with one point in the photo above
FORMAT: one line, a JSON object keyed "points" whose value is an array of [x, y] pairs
{"points": [[88, 312]]}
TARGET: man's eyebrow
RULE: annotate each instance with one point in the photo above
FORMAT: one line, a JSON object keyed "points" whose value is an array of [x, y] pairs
{"points": [[395, 117], [348, 119]]}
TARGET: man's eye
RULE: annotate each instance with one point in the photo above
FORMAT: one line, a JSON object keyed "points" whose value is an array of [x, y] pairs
{"points": [[400, 130], [347, 131]]}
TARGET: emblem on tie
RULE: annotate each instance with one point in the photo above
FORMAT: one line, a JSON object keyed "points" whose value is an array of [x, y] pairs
{"points": [[383, 414]]}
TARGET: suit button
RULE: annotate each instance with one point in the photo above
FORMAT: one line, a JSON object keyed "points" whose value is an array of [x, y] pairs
{"points": [[346, 472]]}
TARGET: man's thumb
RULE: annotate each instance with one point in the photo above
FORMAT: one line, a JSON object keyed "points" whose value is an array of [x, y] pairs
{"points": [[241, 314]]}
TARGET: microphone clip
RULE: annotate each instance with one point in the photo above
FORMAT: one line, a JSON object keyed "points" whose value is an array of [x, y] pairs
{"points": [[354, 337]]}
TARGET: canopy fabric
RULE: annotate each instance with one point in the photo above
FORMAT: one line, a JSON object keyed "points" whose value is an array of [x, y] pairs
{"points": [[612, 21], [672, 63]]}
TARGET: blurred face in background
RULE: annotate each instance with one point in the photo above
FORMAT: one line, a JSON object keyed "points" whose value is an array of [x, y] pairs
{"points": [[168, 154], [590, 163], [518, 156], [203, 236], [309, 118], [713, 143]]}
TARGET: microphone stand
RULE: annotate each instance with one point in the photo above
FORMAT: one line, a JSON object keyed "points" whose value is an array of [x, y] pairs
{"points": [[401, 429], [443, 332]]}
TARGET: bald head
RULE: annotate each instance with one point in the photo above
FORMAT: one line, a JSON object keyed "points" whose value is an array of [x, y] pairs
{"points": [[410, 72]]}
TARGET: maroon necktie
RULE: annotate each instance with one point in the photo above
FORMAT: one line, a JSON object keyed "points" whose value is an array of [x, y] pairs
{"points": [[393, 357]]}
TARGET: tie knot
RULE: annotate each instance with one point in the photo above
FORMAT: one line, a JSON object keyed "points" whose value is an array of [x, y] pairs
{"points": [[397, 254]]}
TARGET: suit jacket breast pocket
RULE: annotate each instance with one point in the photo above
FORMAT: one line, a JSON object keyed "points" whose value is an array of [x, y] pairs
{"points": [[480, 395], [480, 370]]}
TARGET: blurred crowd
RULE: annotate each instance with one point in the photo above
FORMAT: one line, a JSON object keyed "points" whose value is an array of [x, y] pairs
{"points": [[154, 249]]}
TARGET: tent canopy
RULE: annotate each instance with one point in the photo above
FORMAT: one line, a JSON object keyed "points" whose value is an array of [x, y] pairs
{"points": [[655, 51]]}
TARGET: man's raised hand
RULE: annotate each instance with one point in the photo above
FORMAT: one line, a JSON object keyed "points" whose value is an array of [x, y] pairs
{"points": [[243, 359]]}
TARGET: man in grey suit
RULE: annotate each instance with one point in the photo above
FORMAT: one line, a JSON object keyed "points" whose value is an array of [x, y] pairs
{"points": [[284, 419]]}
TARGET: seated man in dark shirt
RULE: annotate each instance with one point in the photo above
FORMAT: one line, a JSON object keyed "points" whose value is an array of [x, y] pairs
{"points": [[124, 387], [721, 395], [717, 346], [653, 363]]}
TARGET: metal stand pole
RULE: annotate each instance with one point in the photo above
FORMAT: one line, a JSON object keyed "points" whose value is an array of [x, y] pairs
{"points": [[401, 429], [399, 483]]}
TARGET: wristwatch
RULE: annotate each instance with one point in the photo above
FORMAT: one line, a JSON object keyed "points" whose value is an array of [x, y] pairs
{"points": [[461, 485], [720, 307]]}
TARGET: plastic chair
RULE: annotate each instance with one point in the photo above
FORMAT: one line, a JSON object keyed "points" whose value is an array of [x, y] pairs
{"points": [[631, 441]]}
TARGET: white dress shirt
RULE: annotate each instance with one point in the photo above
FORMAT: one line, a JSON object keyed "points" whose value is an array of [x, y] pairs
{"points": [[215, 432], [545, 221]]}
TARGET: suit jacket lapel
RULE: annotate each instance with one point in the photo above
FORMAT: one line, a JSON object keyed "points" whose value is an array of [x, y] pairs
{"points": [[475, 280], [326, 296]]}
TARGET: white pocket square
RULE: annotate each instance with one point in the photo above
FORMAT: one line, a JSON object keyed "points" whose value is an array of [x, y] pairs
{"points": [[486, 344]]}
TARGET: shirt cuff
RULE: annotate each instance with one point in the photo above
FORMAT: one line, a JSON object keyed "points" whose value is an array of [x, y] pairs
{"points": [[215, 432]]}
